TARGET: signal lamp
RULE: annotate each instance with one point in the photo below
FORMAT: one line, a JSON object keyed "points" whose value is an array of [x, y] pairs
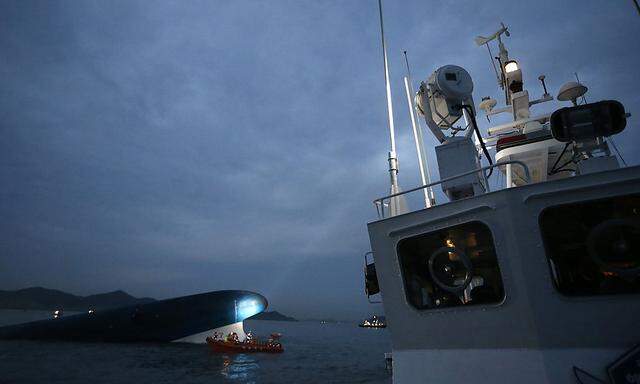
{"points": [[511, 66]]}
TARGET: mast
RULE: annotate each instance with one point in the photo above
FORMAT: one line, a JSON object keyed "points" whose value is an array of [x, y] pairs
{"points": [[423, 161], [397, 204]]}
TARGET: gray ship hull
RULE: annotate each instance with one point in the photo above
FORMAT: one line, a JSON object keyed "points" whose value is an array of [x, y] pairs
{"points": [[159, 321]]}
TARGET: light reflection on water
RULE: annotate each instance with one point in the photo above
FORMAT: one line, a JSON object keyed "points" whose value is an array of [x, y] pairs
{"points": [[238, 367]]}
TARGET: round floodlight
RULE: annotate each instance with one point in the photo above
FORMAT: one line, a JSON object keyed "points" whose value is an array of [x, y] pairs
{"points": [[453, 82], [610, 245], [452, 276], [571, 91], [511, 66]]}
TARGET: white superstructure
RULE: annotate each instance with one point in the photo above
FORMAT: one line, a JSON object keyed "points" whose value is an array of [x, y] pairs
{"points": [[536, 282]]}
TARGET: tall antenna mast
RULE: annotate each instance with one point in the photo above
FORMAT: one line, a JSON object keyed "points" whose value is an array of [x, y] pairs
{"points": [[387, 82], [423, 162], [397, 204]]}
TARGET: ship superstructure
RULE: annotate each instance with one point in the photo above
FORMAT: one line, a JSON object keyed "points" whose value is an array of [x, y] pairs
{"points": [[537, 281]]}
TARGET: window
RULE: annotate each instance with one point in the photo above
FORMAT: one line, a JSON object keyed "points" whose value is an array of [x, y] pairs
{"points": [[449, 76], [593, 247], [451, 267]]}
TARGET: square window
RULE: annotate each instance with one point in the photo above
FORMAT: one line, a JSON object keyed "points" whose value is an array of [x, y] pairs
{"points": [[451, 267], [593, 247]]}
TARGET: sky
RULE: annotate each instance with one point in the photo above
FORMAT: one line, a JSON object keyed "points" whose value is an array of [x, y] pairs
{"points": [[174, 147]]}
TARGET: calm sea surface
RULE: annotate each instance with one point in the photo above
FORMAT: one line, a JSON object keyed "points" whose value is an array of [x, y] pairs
{"points": [[314, 353]]}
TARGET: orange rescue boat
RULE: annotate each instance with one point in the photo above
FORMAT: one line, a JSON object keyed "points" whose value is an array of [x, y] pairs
{"points": [[233, 345]]}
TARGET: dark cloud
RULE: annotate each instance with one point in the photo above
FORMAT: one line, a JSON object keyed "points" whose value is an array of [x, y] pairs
{"points": [[178, 147]]}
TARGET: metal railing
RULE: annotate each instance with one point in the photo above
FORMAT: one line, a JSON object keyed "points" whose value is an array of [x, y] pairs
{"points": [[379, 203]]}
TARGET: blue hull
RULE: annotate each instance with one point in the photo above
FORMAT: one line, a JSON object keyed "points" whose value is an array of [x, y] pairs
{"points": [[159, 321]]}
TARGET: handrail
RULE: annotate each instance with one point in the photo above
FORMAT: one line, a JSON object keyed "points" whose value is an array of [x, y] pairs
{"points": [[379, 203]]}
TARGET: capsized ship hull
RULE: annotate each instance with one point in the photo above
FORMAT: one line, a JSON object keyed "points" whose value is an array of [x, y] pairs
{"points": [[159, 321]]}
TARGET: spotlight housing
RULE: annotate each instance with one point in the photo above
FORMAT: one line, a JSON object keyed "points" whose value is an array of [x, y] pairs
{"points": [[511, 66], [588, 121]]}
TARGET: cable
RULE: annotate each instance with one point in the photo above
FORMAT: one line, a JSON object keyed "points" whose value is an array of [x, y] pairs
{"points": [[617, 151], [477, 130], [553, 168], [584, 99], [492, 62], [469, 109], [561, 168]]}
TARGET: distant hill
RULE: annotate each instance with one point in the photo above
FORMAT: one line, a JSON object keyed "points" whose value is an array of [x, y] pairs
{"points": [[272, 315], [51, 299]]}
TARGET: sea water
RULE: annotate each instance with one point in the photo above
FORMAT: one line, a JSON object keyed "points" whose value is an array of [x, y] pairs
{"points": [[315, 352]]}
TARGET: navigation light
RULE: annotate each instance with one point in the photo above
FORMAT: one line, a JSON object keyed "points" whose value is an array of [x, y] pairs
{"points": [[511, 66]]}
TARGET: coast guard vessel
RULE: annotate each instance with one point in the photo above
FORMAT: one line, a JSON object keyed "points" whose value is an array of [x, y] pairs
{"points": [[536, 280]]}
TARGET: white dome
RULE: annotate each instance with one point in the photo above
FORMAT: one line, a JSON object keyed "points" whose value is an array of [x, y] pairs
{"points": [[571, 91]]}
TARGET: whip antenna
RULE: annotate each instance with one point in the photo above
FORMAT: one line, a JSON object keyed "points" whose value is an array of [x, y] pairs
{"points": [[423, 162], [397, 203], [386, 82]]}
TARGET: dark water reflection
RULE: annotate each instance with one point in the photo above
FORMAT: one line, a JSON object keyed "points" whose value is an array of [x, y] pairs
{"points": [[239, 367], [314, 353]]}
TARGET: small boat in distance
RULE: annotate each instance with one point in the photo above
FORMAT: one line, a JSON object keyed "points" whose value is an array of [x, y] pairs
{"points": [[374, 322], [232, 344]]}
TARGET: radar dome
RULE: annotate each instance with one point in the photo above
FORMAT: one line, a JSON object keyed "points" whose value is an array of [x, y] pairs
{"points": [[571, 91]]}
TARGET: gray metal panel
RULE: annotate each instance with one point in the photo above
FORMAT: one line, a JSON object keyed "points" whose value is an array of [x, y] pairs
{"points": [[533, 314], [468, 327], [577, 322], [459, 155]]}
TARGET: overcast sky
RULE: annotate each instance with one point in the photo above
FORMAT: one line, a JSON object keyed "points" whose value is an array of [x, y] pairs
{"points": [[174, 147]]}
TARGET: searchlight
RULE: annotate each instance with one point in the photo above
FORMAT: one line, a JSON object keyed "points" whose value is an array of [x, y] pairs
{"points": [[511, 66], [248, 307]]}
